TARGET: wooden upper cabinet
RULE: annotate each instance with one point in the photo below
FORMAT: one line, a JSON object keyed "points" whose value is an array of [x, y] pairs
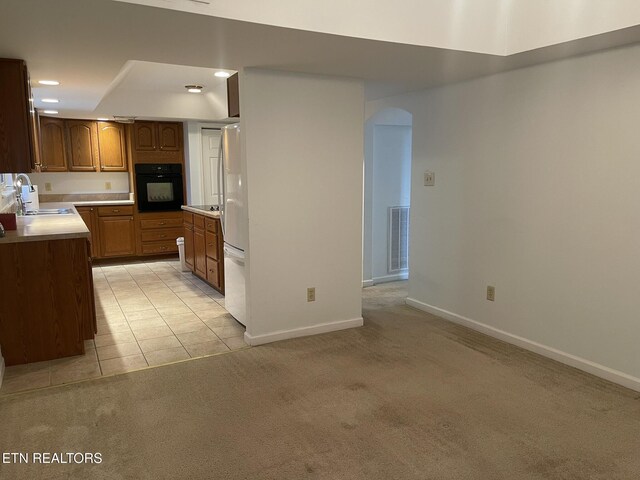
{"points": [[83, 145], [16, 136], [233, 96], [144, 136], [54, 145], [170, 137], [112, 147]]}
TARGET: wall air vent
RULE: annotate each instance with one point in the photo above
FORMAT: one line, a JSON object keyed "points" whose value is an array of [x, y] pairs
{"points": [[120, 119], [398, 245]]}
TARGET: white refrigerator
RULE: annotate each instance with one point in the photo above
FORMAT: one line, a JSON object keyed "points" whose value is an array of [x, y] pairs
{"points": [[235, 222]]}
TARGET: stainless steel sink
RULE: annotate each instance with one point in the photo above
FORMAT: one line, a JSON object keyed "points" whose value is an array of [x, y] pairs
{"points": [[52, 211]]}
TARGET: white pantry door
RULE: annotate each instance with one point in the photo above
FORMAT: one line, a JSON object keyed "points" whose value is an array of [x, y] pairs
{"points": [[210, 152]]}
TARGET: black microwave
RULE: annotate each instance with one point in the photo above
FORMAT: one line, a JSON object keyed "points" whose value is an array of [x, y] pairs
{"points": [[159, 187]]}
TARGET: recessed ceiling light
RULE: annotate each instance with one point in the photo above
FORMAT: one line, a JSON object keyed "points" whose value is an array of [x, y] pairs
{"points": [[194, 88], [222, 74], [51, 112], [102, 119], [50, 100], [48, 82]]}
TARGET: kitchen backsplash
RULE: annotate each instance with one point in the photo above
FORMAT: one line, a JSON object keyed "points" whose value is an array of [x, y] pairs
{"points": [[81, 182]]}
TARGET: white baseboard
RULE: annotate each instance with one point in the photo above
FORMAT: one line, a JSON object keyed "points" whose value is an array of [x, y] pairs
{"points": [[390, 278], [367, 283], [588, 366], [302, 332]]}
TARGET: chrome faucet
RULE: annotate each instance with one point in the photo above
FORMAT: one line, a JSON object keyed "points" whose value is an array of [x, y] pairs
{"points": [[17, 185]]}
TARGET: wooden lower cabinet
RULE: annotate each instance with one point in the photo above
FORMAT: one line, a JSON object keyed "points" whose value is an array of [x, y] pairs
{"points": [[203, 244], [117, 231], [158, 232], [47, 300], [189, 251], [117, 236], [88, 214], [199, 248]]}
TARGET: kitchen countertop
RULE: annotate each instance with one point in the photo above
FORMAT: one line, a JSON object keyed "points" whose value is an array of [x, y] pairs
{"points": [[201, 210], [38, 228]]}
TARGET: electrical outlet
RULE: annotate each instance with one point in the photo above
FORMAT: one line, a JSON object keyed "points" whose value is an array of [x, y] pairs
{"points": [[429, 179], [311, 294], [491, 293], [47, 187], [107, 185]]}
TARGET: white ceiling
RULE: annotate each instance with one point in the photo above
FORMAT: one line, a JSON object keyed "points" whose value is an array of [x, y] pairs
{"points": [[497, 27], [159, 92], [88, 45]]}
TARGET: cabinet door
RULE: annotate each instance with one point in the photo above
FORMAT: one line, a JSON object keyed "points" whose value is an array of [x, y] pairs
{"points": [[212, 245], [200, 260], [88, 215], [54, 146], [117, 236], [37, 149], [189, 252], [15, 138], [170, 137], [144, 136], [83, 145], [111, 144]]}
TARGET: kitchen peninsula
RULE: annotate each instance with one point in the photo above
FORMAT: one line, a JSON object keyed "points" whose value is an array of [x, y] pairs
{"points": [[48, 308]]}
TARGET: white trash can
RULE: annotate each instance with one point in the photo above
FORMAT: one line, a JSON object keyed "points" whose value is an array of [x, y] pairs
{"points": [[183, 263]]}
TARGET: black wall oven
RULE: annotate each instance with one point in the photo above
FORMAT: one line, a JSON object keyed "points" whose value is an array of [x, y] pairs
{"points": [[159, 187]]}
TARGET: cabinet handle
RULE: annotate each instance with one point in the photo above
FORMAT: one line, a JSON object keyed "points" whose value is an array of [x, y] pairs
{"points": [[162, 223], [115, 211], [163, 248], [211, 244], [162, 236]]}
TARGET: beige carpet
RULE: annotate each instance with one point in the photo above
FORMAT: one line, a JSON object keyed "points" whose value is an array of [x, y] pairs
{"points": [[408, 396]]}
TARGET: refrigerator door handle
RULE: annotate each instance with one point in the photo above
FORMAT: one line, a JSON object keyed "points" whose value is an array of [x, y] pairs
{"points": [[221, 181]]}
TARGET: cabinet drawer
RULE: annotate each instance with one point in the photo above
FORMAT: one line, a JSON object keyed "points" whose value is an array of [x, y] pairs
{"points": [[163, 235], [187, 217], [159, 247], [160, 223], [211, 246], [115, 210], [212, 225], [212, 272], [198, 221]]}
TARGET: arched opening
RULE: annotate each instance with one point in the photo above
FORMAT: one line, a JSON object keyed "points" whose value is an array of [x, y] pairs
{"points": [[387, 193]]}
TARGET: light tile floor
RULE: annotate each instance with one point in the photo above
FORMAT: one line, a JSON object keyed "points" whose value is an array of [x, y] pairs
{"points": [[149, 314]]}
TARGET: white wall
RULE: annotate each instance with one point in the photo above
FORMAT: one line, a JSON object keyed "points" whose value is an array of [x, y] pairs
{"points": [[537, 193], [538, 23], [81, 182], [303, 148]]}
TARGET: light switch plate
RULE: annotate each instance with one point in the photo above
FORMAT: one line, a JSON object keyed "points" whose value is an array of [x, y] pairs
{"points": [[429, 179]]}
